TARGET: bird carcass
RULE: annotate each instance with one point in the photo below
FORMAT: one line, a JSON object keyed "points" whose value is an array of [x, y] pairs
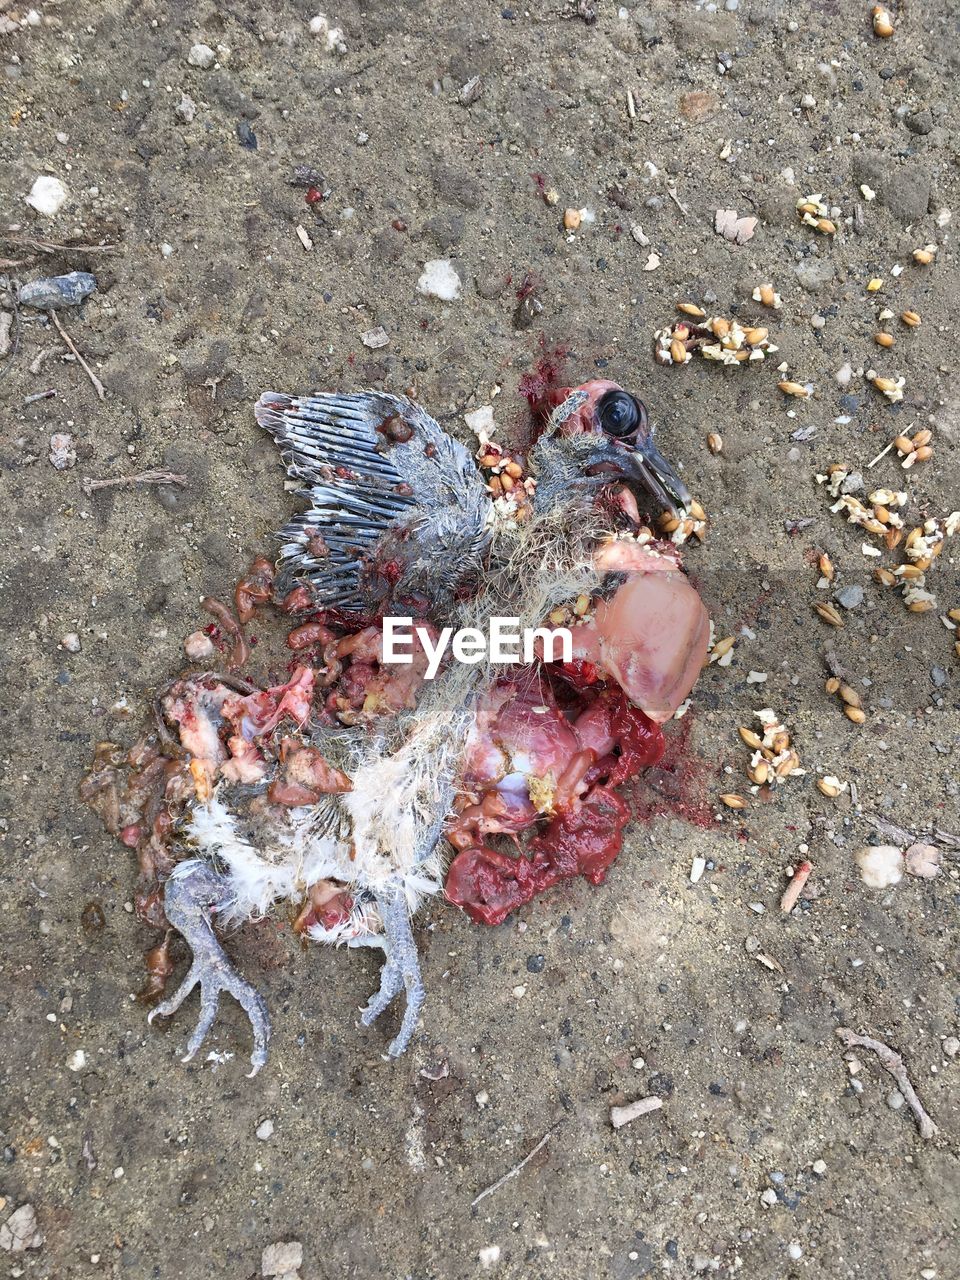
{"points": [[352, 785]]}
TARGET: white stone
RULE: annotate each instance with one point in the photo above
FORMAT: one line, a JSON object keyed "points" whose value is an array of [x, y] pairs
{"points": [[202, 56], [951, 1046], [77, 1060], [265, 1130], [71, 642], [480, 421], [881, 865], [439, 280], [489, 1256], [282, 1258], [376, 337], [20, 1231], [47, 195], [697, 868], [331, 36]]}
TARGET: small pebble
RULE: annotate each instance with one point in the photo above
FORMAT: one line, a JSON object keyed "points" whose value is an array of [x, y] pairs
{"points": [[895, 1099], [62, 455], [439, 280], [374, 338], [489, 1256], [202, 56], [264, 1130], [769, 1198], [880, 865], [77, 1060], [951, 1046], [850, 597], [186, 109], [71, 642], [47, 195], [53, 292], [819, 1167], [282, 1258]]}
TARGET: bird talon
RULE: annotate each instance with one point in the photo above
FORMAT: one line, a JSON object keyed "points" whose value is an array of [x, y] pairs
{"points": [[400, 972], [189, 896]]}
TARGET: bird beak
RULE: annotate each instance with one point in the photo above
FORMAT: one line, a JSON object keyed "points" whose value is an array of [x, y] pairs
{"points": [[642, 462], [646, 464]]}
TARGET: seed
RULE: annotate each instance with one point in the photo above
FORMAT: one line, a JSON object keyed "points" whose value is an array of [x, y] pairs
{"points": [[691, 309], [781, 741], [733, 801], [832, 685], [910, 318], [767, 295], [921, 438], [924, 256], [874, 526], [495, 485], [884, 576], [742, 355], [884, 339], [827, 227], [829, 614], [882, 513], [794, 389], [885, 384], [558, 617], [882, 22], [490, 460], [714, 442], [923, 564], [759, 773], [678, 352], [908, 571], [903, 444], [892, 538], [753, 337], [956, 648], [856, 714], [571, 219], [669, 524], [722, 647], [696, 510], [508, 482], [952, 614], [826, 567], [914, 536], [920, 606], [850, 696], [753, 739], [514, 470], [874, 285], [720, 327], [923, 453], [828, 788], [788, 764], [581, 605]]}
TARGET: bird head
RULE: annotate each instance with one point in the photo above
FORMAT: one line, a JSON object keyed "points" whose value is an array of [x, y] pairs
{"points": [[596, 435]]}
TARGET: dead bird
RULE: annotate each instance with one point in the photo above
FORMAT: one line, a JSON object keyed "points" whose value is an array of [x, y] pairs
{"points": [[343, 789]]}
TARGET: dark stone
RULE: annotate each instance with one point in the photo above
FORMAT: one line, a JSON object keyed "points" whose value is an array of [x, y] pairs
{"points": [[53, 292], [246, 135], [921, 121], [535, 964]]}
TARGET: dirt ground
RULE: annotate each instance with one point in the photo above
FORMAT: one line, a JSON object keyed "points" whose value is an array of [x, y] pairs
{"points": [[138, 1166]]}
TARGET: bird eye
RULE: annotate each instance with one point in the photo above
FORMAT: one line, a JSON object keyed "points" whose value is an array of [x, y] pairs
{"points": [[620, 415]]}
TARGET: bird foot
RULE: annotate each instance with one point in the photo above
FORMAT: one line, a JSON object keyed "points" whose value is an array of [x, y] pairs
{"points": [[191, 892], [400, 972]]}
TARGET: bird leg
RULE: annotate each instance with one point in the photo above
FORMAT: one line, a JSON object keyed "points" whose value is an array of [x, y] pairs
{"points": [[401, 969], [192, 892]]}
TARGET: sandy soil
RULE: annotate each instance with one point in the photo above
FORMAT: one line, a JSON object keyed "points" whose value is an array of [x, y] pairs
{"points": [[140, 1167]]}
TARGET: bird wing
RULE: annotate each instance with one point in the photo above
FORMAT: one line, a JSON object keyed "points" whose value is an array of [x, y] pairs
{"points": [[397, 508]]}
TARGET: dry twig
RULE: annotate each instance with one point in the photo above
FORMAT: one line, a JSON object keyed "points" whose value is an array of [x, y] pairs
{"points": [[900, 835], [512, 1173], [891, 1061], [97, 384], [144, 477], [53, 246]]}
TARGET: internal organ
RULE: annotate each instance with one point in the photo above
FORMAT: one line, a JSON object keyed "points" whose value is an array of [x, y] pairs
{"points": [[549, 747]]}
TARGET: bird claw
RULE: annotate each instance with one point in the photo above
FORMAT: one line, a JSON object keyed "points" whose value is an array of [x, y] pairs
{"points": [[401, 971], [190, 894]]}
